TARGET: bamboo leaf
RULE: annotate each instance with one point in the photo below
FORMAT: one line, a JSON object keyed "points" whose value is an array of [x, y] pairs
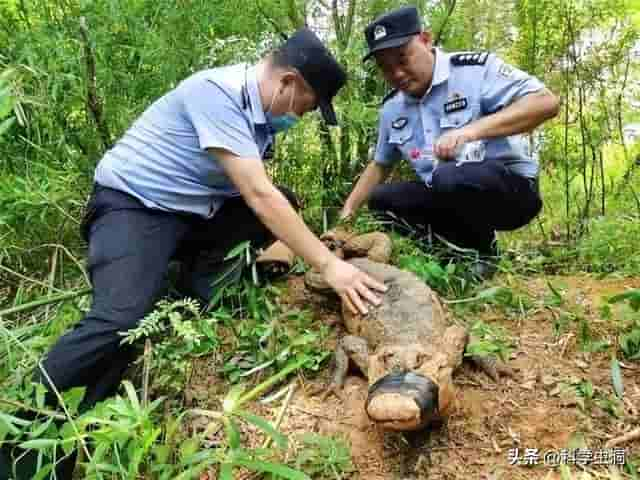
{"points": [[131, 393], [632, 295], [237, 250], [266, 427], [226, 472], [616, 377], [73, 397], [275, 468], [43, 472], [233, 434], [188, 448], [6, 124], [231, 399], [39, 444], [10, 422]]}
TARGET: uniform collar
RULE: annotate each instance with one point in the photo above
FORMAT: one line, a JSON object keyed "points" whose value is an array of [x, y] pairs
{"points": [[253, 92], [440, 74]]}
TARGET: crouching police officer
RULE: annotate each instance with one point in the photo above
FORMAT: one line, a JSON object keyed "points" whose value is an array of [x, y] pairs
{"points": [[455, 118], [187, 182]]}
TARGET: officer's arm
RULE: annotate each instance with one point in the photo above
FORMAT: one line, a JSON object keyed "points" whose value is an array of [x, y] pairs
{"points": [[523, 115], [272, 207], [373, 175], [277, 214]]}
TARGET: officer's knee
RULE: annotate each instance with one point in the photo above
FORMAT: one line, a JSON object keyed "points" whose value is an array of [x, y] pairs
{"points": [[379, 200], [445, 178], [292, 197]]}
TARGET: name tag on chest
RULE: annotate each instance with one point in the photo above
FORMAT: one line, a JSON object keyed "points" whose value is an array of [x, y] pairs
{"points": [[456, 104]]}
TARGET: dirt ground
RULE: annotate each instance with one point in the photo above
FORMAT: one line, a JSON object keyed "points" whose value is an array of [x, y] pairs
{"points": [[537, 409]]}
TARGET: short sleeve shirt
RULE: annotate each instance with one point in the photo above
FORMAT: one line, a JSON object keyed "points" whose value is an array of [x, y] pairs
{"points": [[162, 159], [476, 85]]}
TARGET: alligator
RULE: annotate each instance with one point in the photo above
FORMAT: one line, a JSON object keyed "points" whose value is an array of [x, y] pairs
{"points": [[408, 347]]}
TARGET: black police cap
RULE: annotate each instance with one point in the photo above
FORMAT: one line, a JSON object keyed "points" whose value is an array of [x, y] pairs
{"points": [[306, 53], [392, 29]]}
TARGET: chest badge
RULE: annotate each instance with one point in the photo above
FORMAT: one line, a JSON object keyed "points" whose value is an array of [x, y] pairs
{"points": [[457, 103], [399, 123]]}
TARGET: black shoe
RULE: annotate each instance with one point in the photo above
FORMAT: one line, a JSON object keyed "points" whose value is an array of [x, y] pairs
{"points": [[484, 268]]}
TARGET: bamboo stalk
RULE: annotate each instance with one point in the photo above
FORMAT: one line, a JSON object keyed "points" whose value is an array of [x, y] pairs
{"points": [[24, 406], [45, 301], [145, 372]]}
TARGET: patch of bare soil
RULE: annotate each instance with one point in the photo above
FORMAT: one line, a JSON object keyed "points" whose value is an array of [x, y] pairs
{"points": [[537, 409]]}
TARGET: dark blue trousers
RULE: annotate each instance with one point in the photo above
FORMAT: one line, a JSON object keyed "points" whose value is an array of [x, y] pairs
{"points": [[465, 204], [130, 247]]}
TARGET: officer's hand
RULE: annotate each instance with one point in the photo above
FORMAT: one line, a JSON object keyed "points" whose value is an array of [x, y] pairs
{"points": [[449, 144], [352, 285]]}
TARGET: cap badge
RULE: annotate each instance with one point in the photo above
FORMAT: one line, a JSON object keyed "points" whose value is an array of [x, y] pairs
{"points": [[379, 32]]}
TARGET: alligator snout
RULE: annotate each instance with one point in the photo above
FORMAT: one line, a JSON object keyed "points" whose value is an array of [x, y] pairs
{"points": [[403, 401]]}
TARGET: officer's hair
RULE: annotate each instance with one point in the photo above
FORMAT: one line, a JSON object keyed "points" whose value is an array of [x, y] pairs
{"points": [[280, 58]]}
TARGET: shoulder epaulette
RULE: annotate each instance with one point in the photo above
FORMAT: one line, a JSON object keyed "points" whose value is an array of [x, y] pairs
{"points": [[470, 58], [389, 95]]}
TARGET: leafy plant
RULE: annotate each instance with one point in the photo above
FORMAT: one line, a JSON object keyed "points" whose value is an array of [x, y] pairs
{"points": [[488, 340], [629, 340], [177, 333], [324, 457], [585, 338], [266, 336], [7, 101], [124, 438], [450, 280]]}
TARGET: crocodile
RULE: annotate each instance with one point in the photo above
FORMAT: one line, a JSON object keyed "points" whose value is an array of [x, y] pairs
{"points": [[408, 347]]}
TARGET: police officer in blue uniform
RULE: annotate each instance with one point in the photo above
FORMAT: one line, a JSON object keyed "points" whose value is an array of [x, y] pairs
{"points": [[187, 182], [457, 119]]}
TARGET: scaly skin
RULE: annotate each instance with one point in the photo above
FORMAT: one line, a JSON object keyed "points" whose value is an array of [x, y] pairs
{"points": [[409, 332]]}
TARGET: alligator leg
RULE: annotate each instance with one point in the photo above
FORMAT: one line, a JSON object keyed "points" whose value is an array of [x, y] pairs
{"points": [[349, 347], [491, 366]]}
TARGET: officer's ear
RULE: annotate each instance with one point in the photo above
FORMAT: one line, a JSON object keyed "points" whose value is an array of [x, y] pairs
{"points": [[426, 38], [288, 79]]}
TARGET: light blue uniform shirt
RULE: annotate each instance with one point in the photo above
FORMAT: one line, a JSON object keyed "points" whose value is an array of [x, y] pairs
{"points": [[410, 126], [162, 159]]}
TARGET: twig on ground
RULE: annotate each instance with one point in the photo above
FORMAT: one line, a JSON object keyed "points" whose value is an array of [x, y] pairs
{"points": [[283, 410], [627, 437]]}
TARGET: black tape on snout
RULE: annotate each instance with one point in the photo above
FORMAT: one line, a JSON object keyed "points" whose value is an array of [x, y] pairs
{"points": [[423, 390]]}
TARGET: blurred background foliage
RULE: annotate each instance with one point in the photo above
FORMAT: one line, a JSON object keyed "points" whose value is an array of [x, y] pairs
{"points": [[69, 91]]}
